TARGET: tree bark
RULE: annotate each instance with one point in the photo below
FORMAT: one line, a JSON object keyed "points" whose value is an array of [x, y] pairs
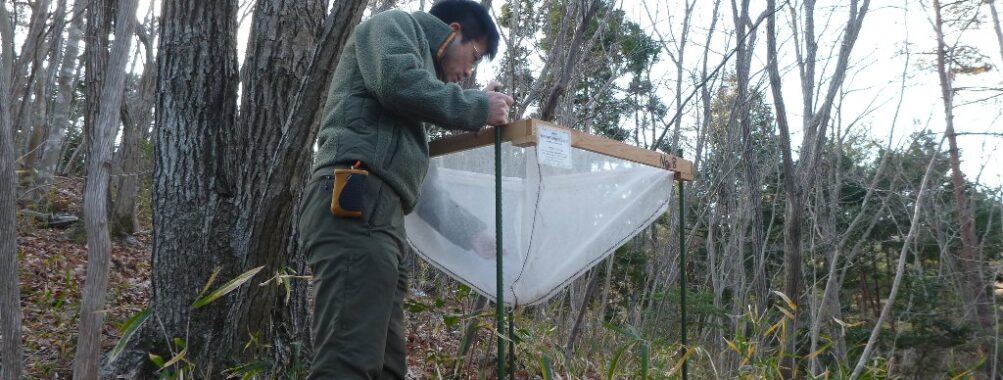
{"points": [[85, 364], [136, 117], [37, 121], [195, 116], [59, 116], [225, 184], [592, 283], [27, 65], [799, 180], [996, 25], [95, 60], [10, 292], [754, 212], [29, 124], [548, 108], [278, 57], [973, 285], [705, 98]]}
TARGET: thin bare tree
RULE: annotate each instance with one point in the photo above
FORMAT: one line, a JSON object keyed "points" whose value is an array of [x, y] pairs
{"points": [[59, 120], [575, 48], [975, 289], [85, 363], [25, 68], [996, 25], [129, 160], [753, 214], [800, 180], [36, 123], [899, 269], [829, 304], [10, 293]]}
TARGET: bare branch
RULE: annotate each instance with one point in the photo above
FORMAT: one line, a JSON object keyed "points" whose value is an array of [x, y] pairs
{"points": [[899, 270]]}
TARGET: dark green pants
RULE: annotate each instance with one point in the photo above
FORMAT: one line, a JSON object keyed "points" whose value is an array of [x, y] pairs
{"points": [[359, 284]]}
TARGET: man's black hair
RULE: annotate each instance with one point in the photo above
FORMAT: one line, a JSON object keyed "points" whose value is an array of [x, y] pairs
{"points": [[475, 23]]}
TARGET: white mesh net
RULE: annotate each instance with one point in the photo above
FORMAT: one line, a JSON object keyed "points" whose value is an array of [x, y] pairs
{"points": [[558, 221]]}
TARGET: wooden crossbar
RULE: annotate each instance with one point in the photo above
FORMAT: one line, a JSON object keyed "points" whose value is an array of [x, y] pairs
{"points": [[525, 133]]}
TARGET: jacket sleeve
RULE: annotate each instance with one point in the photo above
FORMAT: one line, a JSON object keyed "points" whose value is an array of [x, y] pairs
{"points": [[443, 214], [390, 60]]}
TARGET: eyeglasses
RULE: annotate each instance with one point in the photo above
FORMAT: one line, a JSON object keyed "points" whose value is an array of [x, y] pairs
{"points": [[477, 55]]}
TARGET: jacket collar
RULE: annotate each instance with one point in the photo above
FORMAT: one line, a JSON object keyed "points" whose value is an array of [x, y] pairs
{"points": [[435, 30]]}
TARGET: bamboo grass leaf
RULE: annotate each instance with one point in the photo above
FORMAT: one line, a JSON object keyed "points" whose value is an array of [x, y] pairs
{"points": [[819, 351], [546, 368], [787, 300], [787, 313], [645, 356], [177, 358], [614, 362], [212, 279], [226, 288], [128, 329], [731, 344], [772, 328], [157, 360], [679, 364]]}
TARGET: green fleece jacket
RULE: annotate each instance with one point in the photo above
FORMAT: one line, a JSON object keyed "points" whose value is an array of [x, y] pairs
{"points": [[384, 89]]}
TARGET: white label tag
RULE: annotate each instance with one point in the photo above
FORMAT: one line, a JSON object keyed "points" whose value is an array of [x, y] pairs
{"points": [[554, 147]]}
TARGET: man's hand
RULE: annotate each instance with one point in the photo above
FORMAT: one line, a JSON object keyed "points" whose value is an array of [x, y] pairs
{"points": [[498, 104], [493, 85]]}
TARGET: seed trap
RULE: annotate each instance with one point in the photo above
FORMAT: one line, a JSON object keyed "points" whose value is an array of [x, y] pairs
{"points": [[570, 199]]}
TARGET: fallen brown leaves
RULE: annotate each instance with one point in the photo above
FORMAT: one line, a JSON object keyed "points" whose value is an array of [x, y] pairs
{"points": [[53, 268]]}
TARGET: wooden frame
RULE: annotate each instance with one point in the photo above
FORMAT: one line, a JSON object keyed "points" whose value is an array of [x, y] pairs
{"points": [[524, 133]]}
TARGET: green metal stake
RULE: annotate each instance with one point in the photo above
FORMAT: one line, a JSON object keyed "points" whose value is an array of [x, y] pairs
{"points": [[500, 297], [511, 345], [682, 269]]}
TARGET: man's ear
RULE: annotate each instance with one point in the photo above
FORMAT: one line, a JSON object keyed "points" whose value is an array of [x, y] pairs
{"points": [[455, 26]]}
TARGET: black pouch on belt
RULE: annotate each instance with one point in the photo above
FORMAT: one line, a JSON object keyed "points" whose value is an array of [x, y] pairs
{"points": [[349, 191]]}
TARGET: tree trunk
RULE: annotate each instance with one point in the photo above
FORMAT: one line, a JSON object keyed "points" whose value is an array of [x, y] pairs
{"points": [[590, 288], [829, 305], [59, 116], [549, 106], [85, 364], [799, 181], [31, 57], [136, 117], [225, 185], [10, 292], [680, 61], [95, 61], [33, 123], [705, 98], [754, 212], [278, 56], [900, 269], [272, 225], [973, 283], [196, 109], [996, 25], [38, 119], [31, 126], [126, 182]]}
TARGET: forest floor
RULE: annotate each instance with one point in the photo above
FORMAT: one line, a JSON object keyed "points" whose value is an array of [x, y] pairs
{"points": [[53, 266]]}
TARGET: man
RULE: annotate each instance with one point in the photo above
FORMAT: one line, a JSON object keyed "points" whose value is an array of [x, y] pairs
{"points": [[397, 71]]}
